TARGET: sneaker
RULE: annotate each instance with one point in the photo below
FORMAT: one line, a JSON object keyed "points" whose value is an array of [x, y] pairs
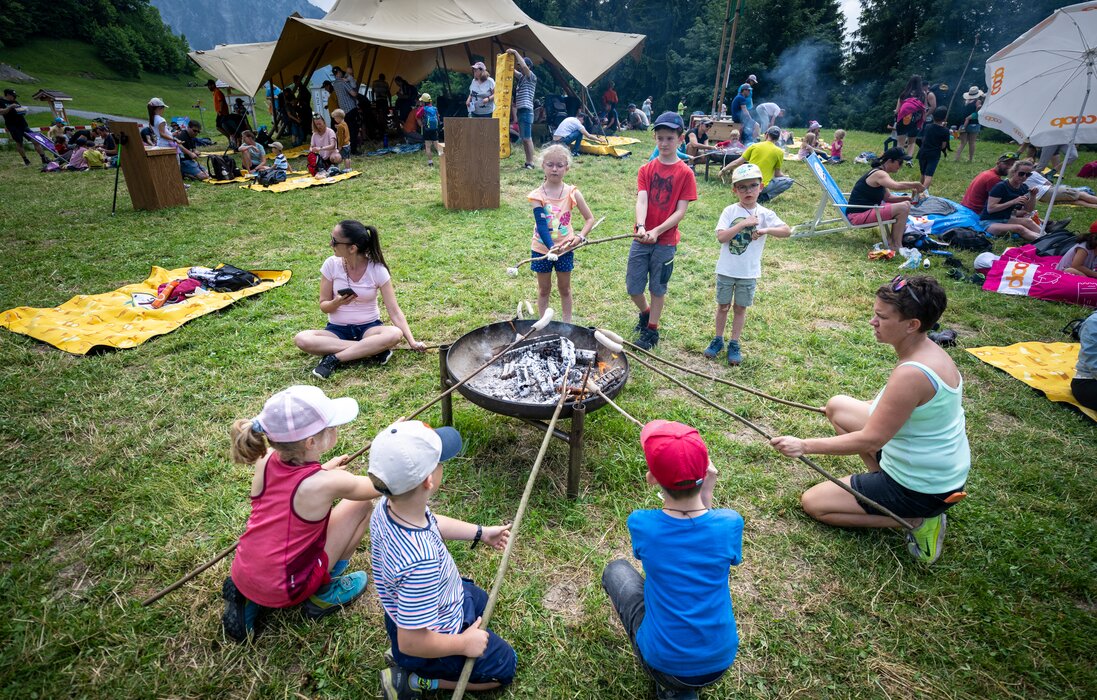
{"points": [[326, 366], [390, 660], [241, 616], [529, 166], [378, 359], [735, 357], [714, 347], [340, 592], [395, 684], [649, 338], [642, 321], [925, 541]]}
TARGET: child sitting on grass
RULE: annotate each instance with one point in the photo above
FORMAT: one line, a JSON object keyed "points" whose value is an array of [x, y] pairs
{"points": [[280, 161], [736, 142], [296, 547], [742, 232], [679, 615], [836, 146], [432, 615], [807, 146], [553, 233]]}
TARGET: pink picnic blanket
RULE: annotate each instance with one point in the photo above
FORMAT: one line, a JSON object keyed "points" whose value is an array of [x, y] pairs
{"points": [[1021, 272]]}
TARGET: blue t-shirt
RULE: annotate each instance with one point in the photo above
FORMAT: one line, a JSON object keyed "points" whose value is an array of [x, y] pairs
{"points": [[1087, 353], [737, 108], [689, 624], [750, 94]]}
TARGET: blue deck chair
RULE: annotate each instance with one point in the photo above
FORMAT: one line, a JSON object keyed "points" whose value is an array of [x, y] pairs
{"points": [[833, 195]]}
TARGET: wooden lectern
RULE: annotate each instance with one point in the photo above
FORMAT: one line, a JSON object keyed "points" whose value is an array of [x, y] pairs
{"points": [[470, 164], [152, 175]]}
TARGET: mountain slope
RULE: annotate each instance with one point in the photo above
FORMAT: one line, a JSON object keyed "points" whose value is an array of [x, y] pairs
{"points": [[207, 23]]}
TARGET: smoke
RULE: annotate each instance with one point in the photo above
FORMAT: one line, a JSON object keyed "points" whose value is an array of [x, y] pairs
{"points": [[802, 80]]}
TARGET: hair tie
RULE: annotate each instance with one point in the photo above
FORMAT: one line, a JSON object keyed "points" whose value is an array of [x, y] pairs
{"points": [[257, 427]]}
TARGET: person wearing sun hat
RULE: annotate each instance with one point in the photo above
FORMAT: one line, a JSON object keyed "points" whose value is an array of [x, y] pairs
{"points": [[429, 124], [481, 99], [678, 616], [969, 124], [296, 547], [159, 124], [432, 615]]}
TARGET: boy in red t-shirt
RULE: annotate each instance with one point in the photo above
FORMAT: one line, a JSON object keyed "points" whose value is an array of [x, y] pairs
{"points": [[665, 186]]}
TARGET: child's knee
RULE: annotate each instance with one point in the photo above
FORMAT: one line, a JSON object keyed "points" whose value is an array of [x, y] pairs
{"points": [[723, 308], [739, 310]]}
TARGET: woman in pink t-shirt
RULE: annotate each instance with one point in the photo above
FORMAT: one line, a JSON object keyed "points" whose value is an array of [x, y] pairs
{"points": [[323, 143], [350, 282]]}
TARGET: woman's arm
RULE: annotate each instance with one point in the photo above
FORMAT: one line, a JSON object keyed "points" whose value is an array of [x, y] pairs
{"points": [[328, 301], [907, 388], [388, 295], [880, 177]]}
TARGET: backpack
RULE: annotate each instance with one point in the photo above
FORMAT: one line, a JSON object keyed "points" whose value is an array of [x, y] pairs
{"points": [[229, 278], [222, 167], [313, 163], [1055, 243], [430, 118], [967, 239], [273, 176]]}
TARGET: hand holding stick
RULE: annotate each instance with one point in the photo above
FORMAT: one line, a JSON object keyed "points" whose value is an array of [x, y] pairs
{"points": [[513, 271]]}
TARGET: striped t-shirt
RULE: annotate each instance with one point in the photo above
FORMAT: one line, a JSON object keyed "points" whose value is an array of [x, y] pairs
{"points": [[523, 93], [415, 575]]}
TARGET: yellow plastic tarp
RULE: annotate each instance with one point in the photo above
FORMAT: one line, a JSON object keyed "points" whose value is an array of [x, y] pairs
{"points": [[504, 81], [124, 318], [1048, 367], [300, 183], [607, 146]]}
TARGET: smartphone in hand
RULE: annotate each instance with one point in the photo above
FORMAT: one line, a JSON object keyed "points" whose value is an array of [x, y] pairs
{"points": [[348, 292]]}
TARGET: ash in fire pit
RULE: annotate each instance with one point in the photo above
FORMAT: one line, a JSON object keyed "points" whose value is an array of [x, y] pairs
{"points": [[534, 371]]}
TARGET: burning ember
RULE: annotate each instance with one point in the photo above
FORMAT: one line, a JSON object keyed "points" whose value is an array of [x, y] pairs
{"points": [[534, 372]]}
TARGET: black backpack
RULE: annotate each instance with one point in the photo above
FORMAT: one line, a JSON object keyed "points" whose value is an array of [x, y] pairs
{"points": [[273, 176], [1055, 243], [967, 239], [222, 167], [229, 278]]}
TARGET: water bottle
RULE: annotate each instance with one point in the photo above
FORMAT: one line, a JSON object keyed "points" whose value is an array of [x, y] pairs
{"points": [[385, 140]]}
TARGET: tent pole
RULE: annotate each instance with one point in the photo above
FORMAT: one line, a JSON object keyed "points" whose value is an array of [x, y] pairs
{"points": [[594, 114], [445, 72], [562, 80], [731, 48], [468, 52], [373, 64], [720, 60], [361, 67], [960, 83], [1073, 139]]}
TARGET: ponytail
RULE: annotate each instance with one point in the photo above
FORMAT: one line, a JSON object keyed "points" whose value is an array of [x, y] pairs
{"points": [[249, 443]]}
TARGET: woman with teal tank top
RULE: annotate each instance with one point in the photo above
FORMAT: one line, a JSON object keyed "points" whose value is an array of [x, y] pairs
{"points": [[912, 437]]}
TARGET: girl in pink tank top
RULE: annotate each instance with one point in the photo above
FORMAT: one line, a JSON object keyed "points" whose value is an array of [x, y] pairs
{"points": [[297, 547]]}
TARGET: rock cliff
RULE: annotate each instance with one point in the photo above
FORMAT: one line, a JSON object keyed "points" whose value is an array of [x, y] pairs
{"points": [[207, 23]]}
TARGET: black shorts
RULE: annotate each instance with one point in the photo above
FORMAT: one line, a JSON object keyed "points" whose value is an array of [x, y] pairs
{"points": [[430, 134], [1085, 391], [912, 130], [897, 498], [18, 133], [928, 164]]}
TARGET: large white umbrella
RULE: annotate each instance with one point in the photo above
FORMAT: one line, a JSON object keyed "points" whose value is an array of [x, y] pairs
{"points": [[1039, 86]]}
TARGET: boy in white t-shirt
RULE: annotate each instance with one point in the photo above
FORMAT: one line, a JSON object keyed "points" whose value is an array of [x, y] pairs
{"points": [[742, 232]]}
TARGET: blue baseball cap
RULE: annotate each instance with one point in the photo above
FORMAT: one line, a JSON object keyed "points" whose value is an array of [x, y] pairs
{"points": [[669, 120]]}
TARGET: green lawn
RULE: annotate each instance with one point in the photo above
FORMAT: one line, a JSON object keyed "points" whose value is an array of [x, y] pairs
{"points": [[72, 67], [118, 481]]}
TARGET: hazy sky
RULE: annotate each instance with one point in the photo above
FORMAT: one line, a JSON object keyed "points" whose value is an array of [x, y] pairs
{"points": [[851, 8]]}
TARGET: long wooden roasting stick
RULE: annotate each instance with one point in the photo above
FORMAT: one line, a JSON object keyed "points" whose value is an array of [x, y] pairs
{"points": [[513, 271], [615, 343], [538, 325], [466, 671]]}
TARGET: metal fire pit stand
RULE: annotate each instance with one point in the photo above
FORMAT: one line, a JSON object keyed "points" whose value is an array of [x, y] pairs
{"points": [[573, 437]]}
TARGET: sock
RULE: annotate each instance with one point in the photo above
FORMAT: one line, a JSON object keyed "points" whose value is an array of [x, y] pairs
{"points": [[653, 326], [340, 567], [417, 681]]}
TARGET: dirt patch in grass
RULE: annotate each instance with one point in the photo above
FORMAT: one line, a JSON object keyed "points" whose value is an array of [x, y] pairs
{"points": [[564, 598], [828, 325]]}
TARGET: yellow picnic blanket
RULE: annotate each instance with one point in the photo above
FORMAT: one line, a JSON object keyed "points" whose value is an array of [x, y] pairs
{"points": [[1048, 367], [300, 183], [246, 177], [289, 153], [124, 318], [612, 148]]}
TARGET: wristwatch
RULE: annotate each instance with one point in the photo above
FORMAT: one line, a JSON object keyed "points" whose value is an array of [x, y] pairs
{"points": [[476, 539]]}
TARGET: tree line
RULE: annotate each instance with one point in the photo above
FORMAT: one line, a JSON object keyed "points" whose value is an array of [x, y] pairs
{"points": [[799, 50], [128, 35]]}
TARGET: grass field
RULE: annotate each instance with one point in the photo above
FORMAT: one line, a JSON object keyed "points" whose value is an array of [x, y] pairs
{"points": [[72, 67], [118, 481]]}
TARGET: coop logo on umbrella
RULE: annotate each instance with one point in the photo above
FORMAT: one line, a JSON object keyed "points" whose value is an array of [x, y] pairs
{"points": [[996, 80], [1060, 122]]}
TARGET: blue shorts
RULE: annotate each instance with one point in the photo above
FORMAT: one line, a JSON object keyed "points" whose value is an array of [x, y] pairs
{"points": [[345, 151], [525, 123], [566, 263], [353, 331], [497, 665], [190, 168]]}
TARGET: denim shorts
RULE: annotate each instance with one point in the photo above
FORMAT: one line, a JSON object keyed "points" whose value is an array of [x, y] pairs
{"points": [[566, 263], [345, 151], [525, 123], [190, 168], [497, 664], [736, 289], [649, 265], [353, 331]]}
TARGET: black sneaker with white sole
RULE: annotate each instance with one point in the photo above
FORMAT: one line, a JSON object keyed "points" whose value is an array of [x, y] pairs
{"points": [[649, 338], [326, 366], [381, 358]]}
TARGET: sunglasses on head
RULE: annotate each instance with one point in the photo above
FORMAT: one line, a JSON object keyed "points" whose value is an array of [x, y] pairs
{"points": [[901, 282]]}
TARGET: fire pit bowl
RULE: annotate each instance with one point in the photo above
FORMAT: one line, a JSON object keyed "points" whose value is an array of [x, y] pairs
{"points": [[476, 347]]}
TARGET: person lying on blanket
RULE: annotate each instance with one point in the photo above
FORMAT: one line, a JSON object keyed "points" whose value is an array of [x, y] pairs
{"points": [[350, 282], [912, 436]]}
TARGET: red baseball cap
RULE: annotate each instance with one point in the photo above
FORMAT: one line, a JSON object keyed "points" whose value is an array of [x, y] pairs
{"points": [[675, 453]]}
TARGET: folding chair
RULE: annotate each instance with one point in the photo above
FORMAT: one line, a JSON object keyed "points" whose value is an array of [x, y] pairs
{"points": [[42, 140], [833, 195]]}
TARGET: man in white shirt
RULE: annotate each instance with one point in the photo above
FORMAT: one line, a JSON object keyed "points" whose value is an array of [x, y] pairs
{"points": [[768, 114], [571, 132]]}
